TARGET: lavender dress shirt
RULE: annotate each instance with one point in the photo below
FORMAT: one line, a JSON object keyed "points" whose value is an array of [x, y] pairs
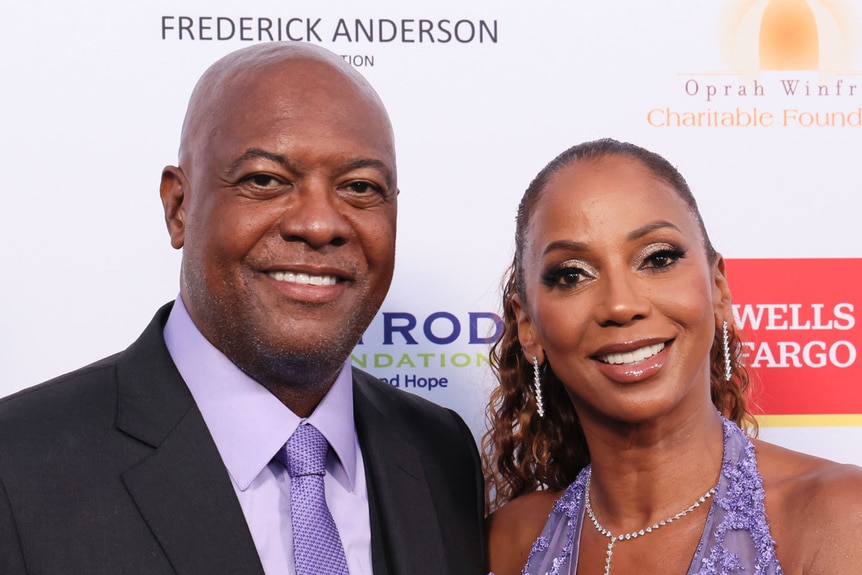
{"points": [[249, 425]]}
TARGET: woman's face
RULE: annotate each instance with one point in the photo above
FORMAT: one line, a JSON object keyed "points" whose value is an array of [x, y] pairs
{"points": [[620, 296]]}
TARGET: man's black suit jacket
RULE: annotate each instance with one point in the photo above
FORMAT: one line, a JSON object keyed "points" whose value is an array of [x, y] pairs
{"points": [[111, 469]]}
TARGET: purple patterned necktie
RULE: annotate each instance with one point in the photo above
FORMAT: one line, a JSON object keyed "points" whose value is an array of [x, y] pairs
{"points": [[317, 548]]}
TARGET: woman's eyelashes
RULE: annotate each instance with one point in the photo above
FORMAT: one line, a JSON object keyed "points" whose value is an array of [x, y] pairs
{"points": [[567, 274], [661, 256]]}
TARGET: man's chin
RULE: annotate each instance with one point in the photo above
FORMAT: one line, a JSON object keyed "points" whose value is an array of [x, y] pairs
{"points": [[296, 362]]}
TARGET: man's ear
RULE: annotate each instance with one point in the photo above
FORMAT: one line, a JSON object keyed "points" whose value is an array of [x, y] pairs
{"points": [[721, 296], [527, 334], [173, 192]]}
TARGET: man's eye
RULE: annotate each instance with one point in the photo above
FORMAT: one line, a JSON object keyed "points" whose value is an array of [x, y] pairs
{"points": [[362, 187], [262, 180]]}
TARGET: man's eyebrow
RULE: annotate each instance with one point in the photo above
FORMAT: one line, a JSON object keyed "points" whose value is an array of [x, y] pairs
{"points": [[350, 165], [252, 153]]}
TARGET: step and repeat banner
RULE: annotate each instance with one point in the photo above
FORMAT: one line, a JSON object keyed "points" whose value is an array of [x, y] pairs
{"points": [[758, 103]]}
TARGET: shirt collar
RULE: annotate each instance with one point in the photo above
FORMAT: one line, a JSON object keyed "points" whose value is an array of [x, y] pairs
{"points": [[249, 424]]}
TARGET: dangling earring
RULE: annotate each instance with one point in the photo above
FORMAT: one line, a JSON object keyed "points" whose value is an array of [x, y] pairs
{"points": [[727, 371], [537, 384]]}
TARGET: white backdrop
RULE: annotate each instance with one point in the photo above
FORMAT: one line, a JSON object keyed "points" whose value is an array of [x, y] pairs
{"points": [[94, 95]]}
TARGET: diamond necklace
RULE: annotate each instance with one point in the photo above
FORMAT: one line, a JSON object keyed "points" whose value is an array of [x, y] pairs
{"points": [[634, 534]]}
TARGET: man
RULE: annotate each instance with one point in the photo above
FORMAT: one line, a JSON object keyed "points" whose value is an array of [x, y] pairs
{"points": [[170, 456]]}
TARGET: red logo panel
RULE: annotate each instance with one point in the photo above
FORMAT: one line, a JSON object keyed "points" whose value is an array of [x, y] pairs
{"points": [[800, 321]]}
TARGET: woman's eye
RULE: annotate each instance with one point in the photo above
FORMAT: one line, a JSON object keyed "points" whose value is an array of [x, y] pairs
{"points": [[565, 277], [663, 258], [569, 277]]}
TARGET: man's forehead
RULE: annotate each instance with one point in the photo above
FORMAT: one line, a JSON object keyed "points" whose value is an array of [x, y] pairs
{"points": [[278, 59], [279, 78], [295, 90]]}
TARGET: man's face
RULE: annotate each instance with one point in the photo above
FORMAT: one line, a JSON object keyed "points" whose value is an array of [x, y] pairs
{"points": [[287, 218]]}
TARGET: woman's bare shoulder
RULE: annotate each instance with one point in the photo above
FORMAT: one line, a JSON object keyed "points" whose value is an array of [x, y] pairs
{"points": [[815, 510], [513, 528]]}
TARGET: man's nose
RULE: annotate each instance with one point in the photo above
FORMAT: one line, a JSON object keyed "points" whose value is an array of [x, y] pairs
{"points": [[315, 216]]}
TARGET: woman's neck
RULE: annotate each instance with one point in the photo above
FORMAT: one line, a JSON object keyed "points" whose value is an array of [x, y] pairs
{"points": [[651, 470]]}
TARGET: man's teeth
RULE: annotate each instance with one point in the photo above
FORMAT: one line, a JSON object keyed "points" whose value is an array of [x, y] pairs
{"points": [[632, 356], [303, 278]]}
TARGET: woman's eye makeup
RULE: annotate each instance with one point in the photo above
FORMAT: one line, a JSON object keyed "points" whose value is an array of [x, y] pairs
{"points": [[567, 274], [661, 256], [570, 273]]}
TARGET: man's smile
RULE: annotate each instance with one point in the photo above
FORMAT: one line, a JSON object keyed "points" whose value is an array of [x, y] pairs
{"points": [[303, 278]]}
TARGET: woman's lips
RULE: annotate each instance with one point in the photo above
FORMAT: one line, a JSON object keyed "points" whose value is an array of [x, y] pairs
{"points": [[633, 356], [633, 365]]}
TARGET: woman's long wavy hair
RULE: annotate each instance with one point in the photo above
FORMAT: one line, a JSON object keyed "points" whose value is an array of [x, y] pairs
{"points": [[524, 452]]}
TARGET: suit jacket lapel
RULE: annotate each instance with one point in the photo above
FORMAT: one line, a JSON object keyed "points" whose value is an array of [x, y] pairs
{"points": [[182, 490], [405, 539]]}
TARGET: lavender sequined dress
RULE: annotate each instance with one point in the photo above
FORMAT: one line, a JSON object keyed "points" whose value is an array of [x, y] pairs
{"points": [[735, 541]]}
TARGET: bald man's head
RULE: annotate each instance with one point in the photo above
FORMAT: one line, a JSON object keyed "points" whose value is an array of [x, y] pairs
{"points": [[284, 203], [238, 72]]}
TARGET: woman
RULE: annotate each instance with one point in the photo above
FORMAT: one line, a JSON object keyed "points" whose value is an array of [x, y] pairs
{"points": [[618, 365]]}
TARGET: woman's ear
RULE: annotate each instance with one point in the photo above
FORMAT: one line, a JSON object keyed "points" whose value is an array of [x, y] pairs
{"points": [[528, 336], [721, 296]]}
